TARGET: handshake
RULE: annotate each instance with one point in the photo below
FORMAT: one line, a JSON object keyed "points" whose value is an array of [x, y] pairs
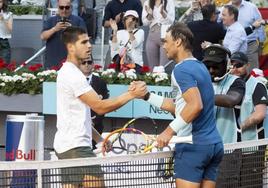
{"points": [[137, 89]]}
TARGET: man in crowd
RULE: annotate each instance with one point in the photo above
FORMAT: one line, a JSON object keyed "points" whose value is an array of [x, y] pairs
{"points": [[236, 37], [229, 91], [248, 13], [253, 108], [52, 30], [115, 10], [206, 29], [250, 117]]}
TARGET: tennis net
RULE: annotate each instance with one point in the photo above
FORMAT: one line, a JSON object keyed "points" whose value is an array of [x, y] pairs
{"points": [[244, 166]]}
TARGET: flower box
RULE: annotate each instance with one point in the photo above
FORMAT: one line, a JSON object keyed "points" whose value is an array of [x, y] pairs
{"points": [[21, 103]]}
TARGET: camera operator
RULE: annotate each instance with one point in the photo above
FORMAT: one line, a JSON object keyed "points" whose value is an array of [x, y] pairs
{"points": [[51, 33]]}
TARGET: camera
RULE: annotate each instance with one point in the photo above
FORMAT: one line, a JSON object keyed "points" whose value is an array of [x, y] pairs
{"points": [[63, 19]]}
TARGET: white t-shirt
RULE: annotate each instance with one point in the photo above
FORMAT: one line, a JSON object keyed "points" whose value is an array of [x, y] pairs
{"points": [[73, 116], [4, 32]]}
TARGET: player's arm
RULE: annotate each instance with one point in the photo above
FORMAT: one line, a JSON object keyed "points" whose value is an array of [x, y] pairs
{"points": [[190, 111], [101, 107]]}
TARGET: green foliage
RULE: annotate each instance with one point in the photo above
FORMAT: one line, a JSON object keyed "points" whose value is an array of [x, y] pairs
{"points": [[179, 11], [25, 9]]}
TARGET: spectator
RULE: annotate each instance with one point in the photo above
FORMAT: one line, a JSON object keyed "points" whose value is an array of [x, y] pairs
{"points": [[115, 10], [248, 13], [229, 91], [6, 22], [206, 30], [78, 6], [236, 38], [254, 104], [157, 13], [250, 119], [100, 5], [194, 12], [101, 89], [130, 38], [52, 30]]}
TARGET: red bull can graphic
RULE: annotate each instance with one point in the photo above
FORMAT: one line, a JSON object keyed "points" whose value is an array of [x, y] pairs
{"points": [[24, 141]]}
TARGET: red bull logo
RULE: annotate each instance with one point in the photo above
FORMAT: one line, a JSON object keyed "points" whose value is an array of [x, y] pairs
{"points": [[19, 154]]}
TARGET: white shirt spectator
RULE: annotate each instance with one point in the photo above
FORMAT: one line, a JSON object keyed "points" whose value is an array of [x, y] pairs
{"points": [[73, 116], [236, 38], [4, 32], [158, 18], [134, 48]]}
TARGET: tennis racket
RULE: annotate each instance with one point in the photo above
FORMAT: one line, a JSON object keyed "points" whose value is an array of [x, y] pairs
{"points": [[134, 141]]}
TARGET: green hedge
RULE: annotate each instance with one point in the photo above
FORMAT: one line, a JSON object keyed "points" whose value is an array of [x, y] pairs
{"points": [[23, 9]]}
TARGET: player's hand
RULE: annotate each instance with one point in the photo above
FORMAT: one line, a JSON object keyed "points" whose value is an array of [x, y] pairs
{"points": [[164, 138], [138, 89], [107, 147]]}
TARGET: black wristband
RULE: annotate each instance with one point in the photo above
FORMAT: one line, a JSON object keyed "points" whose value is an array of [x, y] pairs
{"points": [[252, 27], [146, 96]]}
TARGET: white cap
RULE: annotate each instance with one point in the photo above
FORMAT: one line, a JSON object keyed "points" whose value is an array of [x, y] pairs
{"points": [[131, 13]]}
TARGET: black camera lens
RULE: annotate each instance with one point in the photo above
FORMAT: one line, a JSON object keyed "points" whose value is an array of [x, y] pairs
{"points": [[63, 19]]}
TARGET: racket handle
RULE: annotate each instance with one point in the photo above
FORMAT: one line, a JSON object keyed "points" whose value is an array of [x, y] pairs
{"points": [[150, 147]]}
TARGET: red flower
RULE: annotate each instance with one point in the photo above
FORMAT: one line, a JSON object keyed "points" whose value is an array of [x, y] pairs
{"points": [[112, 66], [2, 64], [32, 68], [265, 73], [35, 67], [11, 66], [97, 67], [145, 69]]}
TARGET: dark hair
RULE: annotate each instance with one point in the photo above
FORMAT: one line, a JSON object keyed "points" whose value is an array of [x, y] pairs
{"points": [[208, 11], [70, 34], [232, 10], [134, 18], [152, 4], [180, 30], [5, 6]]}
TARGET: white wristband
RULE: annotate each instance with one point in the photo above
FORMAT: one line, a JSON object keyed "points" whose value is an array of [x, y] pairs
{"points": [[177, 124], [156, 100]]}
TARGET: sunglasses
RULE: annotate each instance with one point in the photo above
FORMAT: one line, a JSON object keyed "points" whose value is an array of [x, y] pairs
{"points": [[87, 62], [64, 7], [238, 65]]}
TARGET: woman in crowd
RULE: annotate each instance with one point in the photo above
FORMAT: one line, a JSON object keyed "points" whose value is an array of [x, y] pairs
{"points": [[6, 21], [128, 43], [194, 12], [157, 13]]}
